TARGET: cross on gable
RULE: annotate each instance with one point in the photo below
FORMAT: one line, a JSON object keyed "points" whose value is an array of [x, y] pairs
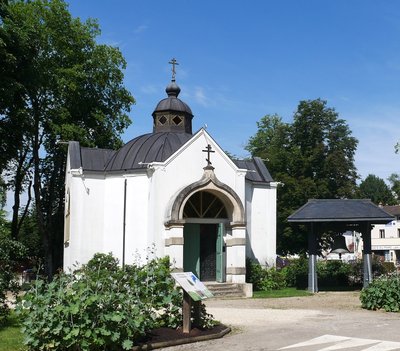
{"points": [[209, 151], [173, 62]]}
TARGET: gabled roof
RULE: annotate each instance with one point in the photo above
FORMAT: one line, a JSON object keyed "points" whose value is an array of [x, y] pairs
{"points": [[147, 148], [393, 210], [340, 210], [257, 170]]}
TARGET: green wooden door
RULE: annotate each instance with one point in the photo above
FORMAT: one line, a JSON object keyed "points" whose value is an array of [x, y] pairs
{"points": [[220, 269], [191, 248]]}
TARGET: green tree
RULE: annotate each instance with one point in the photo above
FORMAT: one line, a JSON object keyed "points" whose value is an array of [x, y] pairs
{"points": [[58, 84], [394, 180], [375, 188], [313, 157]]}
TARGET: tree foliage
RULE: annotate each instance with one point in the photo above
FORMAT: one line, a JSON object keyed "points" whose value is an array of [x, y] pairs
{"points": [[375, 188], [57, 84], [313, 157]]}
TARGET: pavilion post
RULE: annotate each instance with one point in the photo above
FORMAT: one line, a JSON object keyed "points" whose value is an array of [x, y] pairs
{"points": [[312, 259], [367, 256]]}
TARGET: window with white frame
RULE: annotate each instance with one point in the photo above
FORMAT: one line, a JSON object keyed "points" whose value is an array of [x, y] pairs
{"points": [[382, 233]]}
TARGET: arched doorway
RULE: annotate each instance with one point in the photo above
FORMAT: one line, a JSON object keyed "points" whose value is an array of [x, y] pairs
{"points": [[205, 217]]}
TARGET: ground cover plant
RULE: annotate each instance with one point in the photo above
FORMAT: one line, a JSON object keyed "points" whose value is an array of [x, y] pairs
{"points": [[382, 293], [101, 306], [11, 338], [11, 253]]}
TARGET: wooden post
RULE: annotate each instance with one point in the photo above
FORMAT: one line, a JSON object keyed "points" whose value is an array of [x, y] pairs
{"points": [[196, 313], [186, 311]]}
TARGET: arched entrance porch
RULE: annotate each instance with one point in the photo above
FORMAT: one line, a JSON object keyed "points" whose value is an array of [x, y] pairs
{"points": [[206, 231]]}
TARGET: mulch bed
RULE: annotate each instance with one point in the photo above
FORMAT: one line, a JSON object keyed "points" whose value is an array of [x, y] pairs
{"points": [[164, 337]]}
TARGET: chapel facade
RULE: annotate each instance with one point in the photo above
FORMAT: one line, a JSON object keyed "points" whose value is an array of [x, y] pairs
{"points": [[175, 191]]}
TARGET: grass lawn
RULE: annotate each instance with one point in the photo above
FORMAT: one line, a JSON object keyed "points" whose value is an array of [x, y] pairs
{"points": [[287, 292], [10, 336]]}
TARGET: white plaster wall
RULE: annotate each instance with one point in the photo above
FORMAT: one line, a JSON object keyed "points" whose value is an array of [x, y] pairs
{"points": [[262, 216], [181, 170], [86, 223], [112, 234], [136, 231]]}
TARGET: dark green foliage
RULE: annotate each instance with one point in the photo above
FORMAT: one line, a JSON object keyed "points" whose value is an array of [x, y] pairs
{"points": [[297, 273], [333, 273], [382, 293], [57, 83], [313, 157], [375, 188], [11, 255], [265, 279], [101, 306]]}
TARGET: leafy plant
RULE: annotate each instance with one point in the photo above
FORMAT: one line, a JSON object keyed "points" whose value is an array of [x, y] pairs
{"points": [[11, 252], [101, 306], [265, 278], [382, 293]]}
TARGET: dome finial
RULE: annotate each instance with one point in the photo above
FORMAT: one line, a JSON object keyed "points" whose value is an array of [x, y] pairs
{"points": [[172, 88], [173, 62]]}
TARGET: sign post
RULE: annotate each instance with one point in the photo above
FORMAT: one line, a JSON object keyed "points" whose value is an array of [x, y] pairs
{"points": [[193, 290]]}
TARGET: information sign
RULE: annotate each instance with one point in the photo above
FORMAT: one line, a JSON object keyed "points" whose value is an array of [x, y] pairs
{"points": [[192, 285]]}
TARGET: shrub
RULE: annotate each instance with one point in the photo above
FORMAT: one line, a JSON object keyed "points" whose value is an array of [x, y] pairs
{"points": [[11, 252], [296, 273], [333, 273], [100, 306], [264, 278], [382, 293]]}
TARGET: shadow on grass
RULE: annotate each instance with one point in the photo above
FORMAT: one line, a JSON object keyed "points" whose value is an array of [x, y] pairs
{"points": [[339, 288]]}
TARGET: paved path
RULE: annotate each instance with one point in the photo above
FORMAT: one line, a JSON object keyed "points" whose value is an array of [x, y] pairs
{"points": [[294, 325]]}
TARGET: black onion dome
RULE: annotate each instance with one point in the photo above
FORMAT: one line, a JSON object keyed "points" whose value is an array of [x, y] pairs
{"points": [[172, 103], [147, 148]]}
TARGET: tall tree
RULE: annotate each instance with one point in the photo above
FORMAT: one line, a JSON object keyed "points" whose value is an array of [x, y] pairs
{"points": [[59, 84], [313, 157], [394, 180], [375, 188]]}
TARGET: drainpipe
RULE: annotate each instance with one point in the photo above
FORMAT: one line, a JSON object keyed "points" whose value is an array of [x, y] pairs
{"points": [[124, 226]]}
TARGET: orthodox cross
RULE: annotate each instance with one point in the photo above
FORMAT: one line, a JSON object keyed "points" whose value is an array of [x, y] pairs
{"points": [[173, 62], [209, 151]]}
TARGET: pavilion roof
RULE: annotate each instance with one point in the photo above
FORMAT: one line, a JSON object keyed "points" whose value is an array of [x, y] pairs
{"points": [[340, 210]]}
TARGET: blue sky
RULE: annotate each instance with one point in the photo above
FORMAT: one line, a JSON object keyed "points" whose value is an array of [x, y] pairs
{"points": [[241, 60]]}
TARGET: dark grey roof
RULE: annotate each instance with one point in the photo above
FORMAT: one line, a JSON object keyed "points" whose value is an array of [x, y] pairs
{"points": [[340, 210], [393, 210], [172, 103], [95, 159], [257, 170], [92, 159], [152, 147]]}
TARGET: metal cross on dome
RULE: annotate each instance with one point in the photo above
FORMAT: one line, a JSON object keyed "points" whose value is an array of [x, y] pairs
{"points": [[209, 151], [174, 63]]}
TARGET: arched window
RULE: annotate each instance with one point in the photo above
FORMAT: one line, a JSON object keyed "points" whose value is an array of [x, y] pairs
{"points": [[204, 204]]}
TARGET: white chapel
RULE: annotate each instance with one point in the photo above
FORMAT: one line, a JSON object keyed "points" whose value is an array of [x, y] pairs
{"points": [[175, 190]]}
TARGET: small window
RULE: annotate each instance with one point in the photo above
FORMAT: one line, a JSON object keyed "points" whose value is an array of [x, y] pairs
{"points": [[382, 233], [162, 120], [177, 120], [398, 232]]}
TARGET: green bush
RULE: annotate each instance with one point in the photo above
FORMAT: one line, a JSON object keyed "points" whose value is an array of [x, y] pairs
{"points": [[11, 253], [264, 279], [296, 273], [100, 306], [333, 273], [382, 293]]}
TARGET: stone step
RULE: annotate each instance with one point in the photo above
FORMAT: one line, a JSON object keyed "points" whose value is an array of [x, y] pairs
{"points": [[221, 290]]}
